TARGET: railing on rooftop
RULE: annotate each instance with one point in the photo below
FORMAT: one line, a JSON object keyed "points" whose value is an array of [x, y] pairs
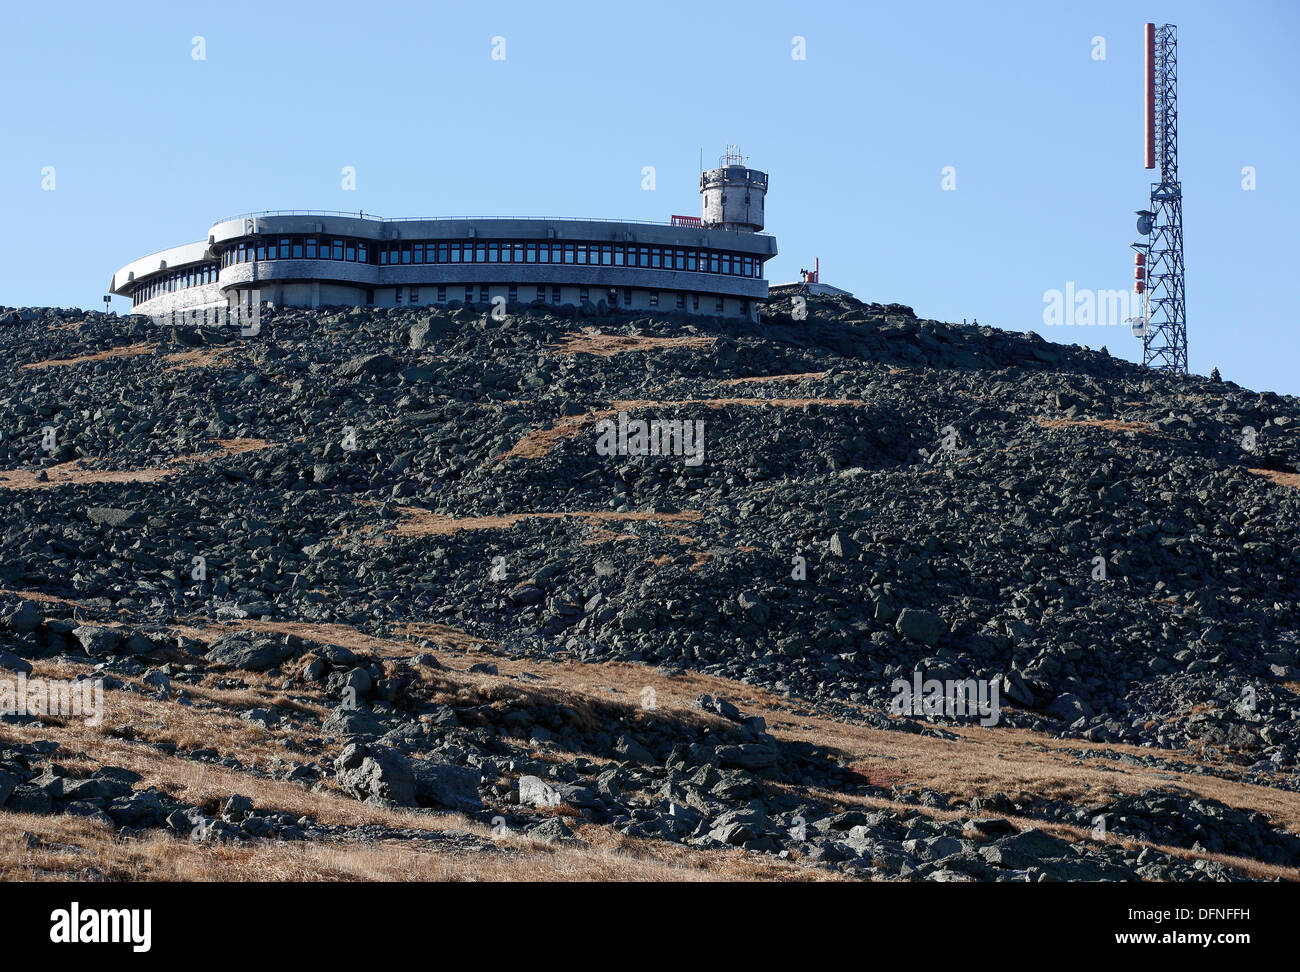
{"points": [[300, 212], [427, 219]]}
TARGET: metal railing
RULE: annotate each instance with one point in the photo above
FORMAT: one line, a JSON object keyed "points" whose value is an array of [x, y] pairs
{"points": [[301, 212], [359, 214]]}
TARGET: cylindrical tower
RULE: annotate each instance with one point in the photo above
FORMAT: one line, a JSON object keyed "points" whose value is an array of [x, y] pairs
{"points": [[733, 194]]}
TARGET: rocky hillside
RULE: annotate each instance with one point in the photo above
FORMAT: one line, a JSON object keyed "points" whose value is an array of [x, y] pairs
{"points": [[372, 581]]}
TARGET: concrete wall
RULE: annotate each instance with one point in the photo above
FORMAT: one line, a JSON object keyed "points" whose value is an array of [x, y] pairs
{"points": [[600, 231], [173, 258], [312, 283], [735, 196], [202, 297], [702, 304], [260, 273]]}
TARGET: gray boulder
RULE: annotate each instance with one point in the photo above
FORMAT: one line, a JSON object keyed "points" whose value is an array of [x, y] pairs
{"points": [[7, 783], [24, 618], [94, 788], [96, 639], [109, 516], [251, 653], [140, 809], [445, 785], [368, 364], [29, 799], [923, 626], [552, 830], [352, 720], [1027, 849], [383, 778], [15, 664], [844, 546], [536, 792]]}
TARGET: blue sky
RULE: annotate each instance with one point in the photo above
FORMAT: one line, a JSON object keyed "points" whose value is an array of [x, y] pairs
{"points": [[150, 146]]}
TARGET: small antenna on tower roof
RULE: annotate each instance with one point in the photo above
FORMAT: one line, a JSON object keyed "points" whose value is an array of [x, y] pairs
{"points": [[731, 156]]}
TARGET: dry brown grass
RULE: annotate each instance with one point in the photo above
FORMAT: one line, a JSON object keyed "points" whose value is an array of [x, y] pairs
{"points": [[124, 352], [216, 726], [71, 848], [347, 636], [42, 598], [762, 379], [425, 523], [73, 473], [1258, 870], [752, 402], [1110, 425], [1279, 478], [598, 536], [607, 345], [981, 761], [70, 845], [198, 358], [540, 442]]}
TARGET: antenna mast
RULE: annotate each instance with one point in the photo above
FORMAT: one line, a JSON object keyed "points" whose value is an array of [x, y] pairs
{"points": [[1164, 315]]}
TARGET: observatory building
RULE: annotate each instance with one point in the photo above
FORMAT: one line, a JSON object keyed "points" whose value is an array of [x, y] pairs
{"points": [[710, 265]]}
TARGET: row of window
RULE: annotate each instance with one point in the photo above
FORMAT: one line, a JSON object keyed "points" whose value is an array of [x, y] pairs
{"points": [[413, 297], [498, 251], [351, 251], [176, 280]]}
